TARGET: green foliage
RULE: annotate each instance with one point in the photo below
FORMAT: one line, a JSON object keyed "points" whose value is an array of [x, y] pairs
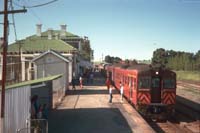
{"points": [[111, 59], [176, 60], [86, 50], [131, 62], [159, 58], [188, 75]]}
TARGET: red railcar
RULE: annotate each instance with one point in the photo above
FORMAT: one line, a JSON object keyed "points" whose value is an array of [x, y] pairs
{"points": [[150, 90]]}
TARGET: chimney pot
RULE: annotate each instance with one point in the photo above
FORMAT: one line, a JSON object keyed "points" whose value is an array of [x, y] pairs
{"points": [[50, 33], [63, 29], [39, 29], [56, 36]]}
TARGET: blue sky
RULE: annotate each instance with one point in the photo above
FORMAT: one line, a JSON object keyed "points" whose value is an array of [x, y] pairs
{"points": [[125, 28]]}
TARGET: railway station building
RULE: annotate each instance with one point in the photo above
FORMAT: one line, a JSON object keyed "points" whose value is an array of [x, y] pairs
{"points": [[21, 54]]}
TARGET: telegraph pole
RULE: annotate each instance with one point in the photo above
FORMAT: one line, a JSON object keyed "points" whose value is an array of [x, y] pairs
{"points": [[5, 45]]}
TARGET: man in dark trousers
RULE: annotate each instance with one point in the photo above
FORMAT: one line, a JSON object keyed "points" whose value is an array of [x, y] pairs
{"points": [[73, 84]]}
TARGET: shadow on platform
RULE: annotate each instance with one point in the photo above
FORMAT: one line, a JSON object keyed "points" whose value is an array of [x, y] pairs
{"points": [[89, 92], [95, 120]]}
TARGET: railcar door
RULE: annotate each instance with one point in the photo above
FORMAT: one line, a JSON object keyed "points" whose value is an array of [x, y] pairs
{"points": [[156, 90], [130, 85], [110, 75]]}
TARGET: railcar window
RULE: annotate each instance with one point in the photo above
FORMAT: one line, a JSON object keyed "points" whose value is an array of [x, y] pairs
{"points": [[134, 83], [169, 83], [144, 83], [155, 82]]}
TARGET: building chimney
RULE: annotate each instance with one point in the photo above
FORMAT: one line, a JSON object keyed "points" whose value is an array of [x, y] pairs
{"points": [[79, 46], [56, 36], [63, 30], [39, 29], [50, 33], [85, 38]]}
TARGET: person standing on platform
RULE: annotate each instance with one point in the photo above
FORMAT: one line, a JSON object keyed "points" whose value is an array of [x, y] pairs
{"points": [[91, 77], [121, 91], [108, 83], [110, 93], [73, 84], [81, 82]]}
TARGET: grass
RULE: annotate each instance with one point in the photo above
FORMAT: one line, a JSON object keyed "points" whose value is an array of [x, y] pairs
{"points": [[188, 75]]}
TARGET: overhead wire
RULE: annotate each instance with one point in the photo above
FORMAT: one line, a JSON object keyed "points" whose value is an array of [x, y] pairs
{"points": [[35, 15], [34, 6], [13, 19]]}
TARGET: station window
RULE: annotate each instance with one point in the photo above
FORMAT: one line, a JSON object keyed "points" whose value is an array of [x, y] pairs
{"points": [[169, 83], [144, 83]]}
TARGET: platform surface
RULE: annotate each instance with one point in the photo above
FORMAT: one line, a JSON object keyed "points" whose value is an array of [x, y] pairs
{"points": [[87, 110]]}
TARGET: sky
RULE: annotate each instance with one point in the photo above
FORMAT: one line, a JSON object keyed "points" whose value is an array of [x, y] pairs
{"points": [[129, 29]]}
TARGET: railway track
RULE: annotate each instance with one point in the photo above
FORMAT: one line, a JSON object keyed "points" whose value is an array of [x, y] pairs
{"points": [[169, 126], [188, 85], [185, 120], [197, 83]]}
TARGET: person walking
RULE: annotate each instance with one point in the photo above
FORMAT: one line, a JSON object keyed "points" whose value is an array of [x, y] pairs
{"points": [[121, 91], [91, 77], [110, 93]]}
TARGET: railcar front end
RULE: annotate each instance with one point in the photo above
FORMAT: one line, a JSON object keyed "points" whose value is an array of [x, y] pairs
{"points": [[156, 92]]}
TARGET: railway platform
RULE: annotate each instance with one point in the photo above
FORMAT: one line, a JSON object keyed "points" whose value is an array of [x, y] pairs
{"points": [[87, 110]]}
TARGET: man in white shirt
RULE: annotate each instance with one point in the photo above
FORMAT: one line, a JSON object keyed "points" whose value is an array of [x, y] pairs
{"points": [[110, 93], [121, 91]]}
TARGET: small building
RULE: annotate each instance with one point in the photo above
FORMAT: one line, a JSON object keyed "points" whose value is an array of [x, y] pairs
{"points": [[53, 63]]}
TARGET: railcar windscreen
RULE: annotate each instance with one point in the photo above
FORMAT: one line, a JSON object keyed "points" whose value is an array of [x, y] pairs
{"points": [[169, 83], [144, 83], [155, 82]]}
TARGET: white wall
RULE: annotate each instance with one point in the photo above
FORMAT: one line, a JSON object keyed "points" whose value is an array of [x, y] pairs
{"points": [[50, 65], [17, 108]]}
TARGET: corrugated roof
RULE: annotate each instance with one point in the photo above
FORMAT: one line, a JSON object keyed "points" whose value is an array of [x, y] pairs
{"points": [[34, 81], [42, 43], [38, 44]]}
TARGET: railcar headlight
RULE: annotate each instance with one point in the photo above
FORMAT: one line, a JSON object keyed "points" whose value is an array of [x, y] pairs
{"points": [[157, 72]]}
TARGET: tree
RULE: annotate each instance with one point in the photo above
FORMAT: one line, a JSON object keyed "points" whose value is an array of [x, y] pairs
{"points": [[111, 59], [86, 50], [108, 59], [197, 61], [159, 58], [176, 60], [117, 60]]}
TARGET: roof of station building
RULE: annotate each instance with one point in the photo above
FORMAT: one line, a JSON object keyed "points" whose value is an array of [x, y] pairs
{"points": [[41, 43]]}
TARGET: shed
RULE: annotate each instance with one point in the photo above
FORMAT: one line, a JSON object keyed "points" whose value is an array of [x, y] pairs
{"points": [[52, 63], [18, 101]]}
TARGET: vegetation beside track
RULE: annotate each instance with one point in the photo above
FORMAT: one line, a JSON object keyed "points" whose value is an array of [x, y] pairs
{"points": [[188, 75]]}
